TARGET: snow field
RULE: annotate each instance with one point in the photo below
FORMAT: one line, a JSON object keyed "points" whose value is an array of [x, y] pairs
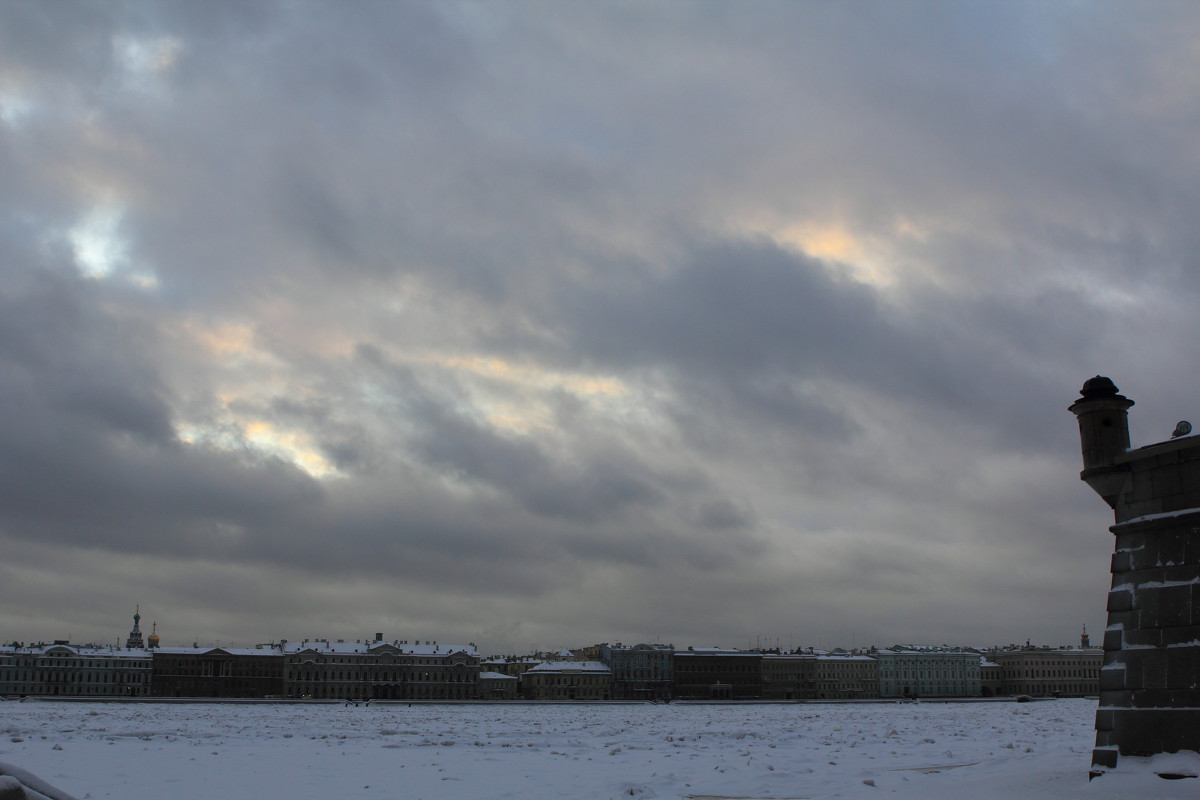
{"points": [[377, 752]]}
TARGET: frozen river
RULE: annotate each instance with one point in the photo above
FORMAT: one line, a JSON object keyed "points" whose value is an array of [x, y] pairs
{"points": [[527, 752]]}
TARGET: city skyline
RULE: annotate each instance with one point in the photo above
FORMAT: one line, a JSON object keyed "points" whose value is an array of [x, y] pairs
{"points": [[138, 639], [504, 321]]}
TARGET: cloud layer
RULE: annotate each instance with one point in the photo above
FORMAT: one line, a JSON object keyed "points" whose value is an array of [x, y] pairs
{"points": [[538, 324]]}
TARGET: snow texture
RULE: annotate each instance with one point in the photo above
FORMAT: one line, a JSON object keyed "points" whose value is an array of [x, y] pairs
{"points": [[985, 751], [20, 784]]}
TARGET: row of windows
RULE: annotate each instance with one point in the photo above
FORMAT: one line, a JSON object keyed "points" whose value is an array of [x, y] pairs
{"points": [[74, 677], [448, 692], [93, 663], [219, 669], [391, 677], [1074, 662], [124, 691], [373, 659], [1042, 689], [567, 680], [934, 689], [1059, 673], [640, 674]]}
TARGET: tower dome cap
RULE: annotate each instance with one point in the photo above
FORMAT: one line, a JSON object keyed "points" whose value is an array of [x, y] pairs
{"points": [[1098, 387]]}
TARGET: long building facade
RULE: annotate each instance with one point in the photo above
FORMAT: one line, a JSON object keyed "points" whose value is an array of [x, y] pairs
{"points": [[703, 673], [568, 680], [218, 672], [1043, 672], [324, 669], [846, 676], [789, 676], [640, 672], [66, 670]]}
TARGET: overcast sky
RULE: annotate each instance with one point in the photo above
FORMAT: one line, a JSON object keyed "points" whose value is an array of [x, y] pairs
{"points": [[544, 324]]}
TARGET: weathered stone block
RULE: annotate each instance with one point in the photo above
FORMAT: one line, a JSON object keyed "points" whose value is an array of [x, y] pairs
{"points": [[1153, 672], [1147, 731], [1116, 699], [1190, 472], [1192, 539], [1164, 699], [1135, 664], [1131, 541], [1157, 608], [1104, 758], [1182, 668], [1174, 605], [1147, 602], [1122, 620], [1185, 636], [1140, 508], [1120, 600], [1166, 479], [1172, 549], [1137, 638], [1112, 679], [1178, 573], [1140, 561], [1141, 488]]}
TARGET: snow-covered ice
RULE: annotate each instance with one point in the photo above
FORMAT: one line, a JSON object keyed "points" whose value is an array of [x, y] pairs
{"points": [[928, 750]]}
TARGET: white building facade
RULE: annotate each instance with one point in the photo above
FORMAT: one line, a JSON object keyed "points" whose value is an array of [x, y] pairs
{"points": [[913, 673], [66, 670]]}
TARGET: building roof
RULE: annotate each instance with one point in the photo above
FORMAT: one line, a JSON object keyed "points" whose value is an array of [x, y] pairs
{"points": [[233, 651], [77, 651], [365, 647]]}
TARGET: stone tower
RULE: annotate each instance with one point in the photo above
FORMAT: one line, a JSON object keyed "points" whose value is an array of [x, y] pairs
{"points": [[1149, 695]]}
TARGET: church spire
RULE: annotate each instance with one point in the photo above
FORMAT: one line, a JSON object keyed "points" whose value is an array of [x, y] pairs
{"points": [[135, 635]]}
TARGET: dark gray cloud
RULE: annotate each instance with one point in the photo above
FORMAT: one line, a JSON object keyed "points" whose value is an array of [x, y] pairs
{"points": [[543, 323]]}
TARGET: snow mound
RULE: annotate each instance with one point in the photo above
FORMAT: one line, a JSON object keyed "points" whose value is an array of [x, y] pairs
{"points": [[18, 784]]}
